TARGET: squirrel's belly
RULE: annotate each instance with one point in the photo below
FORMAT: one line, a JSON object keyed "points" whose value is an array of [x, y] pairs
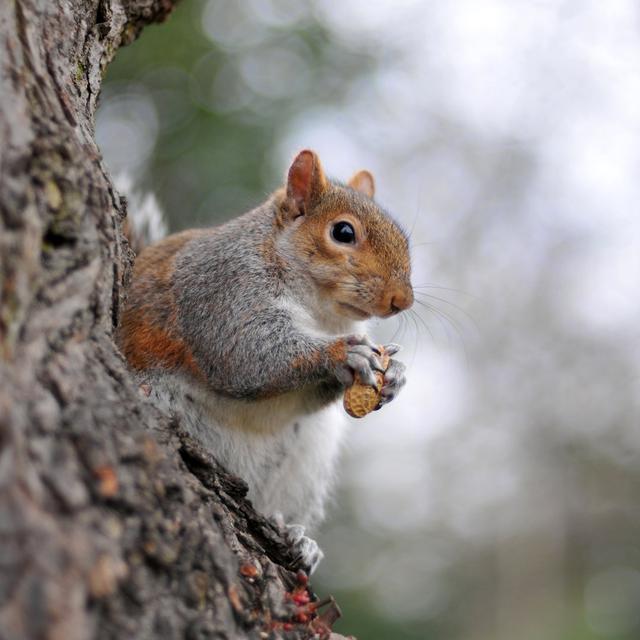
{"points": [[268, 415], [285, 453], [297, 475]]}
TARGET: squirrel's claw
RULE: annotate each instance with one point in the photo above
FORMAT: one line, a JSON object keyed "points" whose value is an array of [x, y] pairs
{"points": [[308, 553], [394, 380], [362, 366], [368, 354], [391, 349]]}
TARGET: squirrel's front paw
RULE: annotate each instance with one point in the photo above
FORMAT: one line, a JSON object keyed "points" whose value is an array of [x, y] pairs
{"points": [[363, 358], [394, 380], [308, 553]]}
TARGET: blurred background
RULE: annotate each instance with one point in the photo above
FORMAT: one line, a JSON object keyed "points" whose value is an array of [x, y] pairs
{"points": [[499, 496]]}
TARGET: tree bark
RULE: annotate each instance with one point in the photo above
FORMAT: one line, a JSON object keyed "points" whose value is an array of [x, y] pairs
{"points": [[112, 523]]}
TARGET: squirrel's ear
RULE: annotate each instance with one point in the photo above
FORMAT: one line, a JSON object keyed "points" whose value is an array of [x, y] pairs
{"points": [[363, 182], [306, 180]]}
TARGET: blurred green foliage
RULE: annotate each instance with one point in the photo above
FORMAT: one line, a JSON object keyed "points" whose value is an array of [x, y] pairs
{"points": [[224, 80]]}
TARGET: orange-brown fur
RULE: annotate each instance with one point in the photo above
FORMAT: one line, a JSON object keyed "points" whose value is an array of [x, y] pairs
{"points": [[381, 255], [147, 333]]}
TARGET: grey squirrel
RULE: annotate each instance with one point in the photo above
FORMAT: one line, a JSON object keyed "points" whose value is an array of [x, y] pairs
{"points": [[250, 332]]}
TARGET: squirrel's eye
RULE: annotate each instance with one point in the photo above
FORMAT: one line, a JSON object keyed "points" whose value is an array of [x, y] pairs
{"points": [[343, 232]]}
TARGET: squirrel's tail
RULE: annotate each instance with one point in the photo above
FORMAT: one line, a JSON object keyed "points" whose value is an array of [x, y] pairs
{"points": [[145, 223]]}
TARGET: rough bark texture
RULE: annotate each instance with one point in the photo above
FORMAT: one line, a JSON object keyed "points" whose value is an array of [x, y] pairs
{"points": [[112, 524]]}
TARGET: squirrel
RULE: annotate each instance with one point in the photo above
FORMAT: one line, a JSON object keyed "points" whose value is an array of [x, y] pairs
{"points": [[250, 331]]}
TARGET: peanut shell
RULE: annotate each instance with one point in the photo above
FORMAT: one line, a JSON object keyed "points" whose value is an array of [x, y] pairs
{"points": [[361, 399]]}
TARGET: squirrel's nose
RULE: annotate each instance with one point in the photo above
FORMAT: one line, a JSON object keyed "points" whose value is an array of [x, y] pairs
{"points": [[401, 299]]}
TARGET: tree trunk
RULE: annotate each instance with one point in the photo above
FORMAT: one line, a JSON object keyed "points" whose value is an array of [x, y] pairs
{"points": [[112, 523]]}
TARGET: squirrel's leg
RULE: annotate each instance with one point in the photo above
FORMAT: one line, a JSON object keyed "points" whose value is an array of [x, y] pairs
{"points": [[275, 359]]}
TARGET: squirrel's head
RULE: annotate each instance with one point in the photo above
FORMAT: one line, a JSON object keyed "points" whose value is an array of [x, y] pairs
{"points": [[357, 256]]}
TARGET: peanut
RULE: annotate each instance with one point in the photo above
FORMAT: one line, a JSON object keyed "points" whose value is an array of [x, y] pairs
{"points": [[361, 399]]}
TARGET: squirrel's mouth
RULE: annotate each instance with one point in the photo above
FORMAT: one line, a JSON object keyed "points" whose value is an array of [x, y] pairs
{"points": [[354, 312]]}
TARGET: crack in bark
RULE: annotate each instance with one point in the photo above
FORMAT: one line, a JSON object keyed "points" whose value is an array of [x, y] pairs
{"points": [[60, 92]]}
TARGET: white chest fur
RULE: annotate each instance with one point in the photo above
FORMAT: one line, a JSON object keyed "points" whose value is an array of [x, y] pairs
{"points": [[285, 454]]}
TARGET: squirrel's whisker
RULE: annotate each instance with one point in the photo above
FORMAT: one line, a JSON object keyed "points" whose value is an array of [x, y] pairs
{"points": [[419, 287], [458, 308], [453, 322]]}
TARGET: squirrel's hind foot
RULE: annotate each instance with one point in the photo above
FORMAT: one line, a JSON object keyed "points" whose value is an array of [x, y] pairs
{"points": [[306, 550]]}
